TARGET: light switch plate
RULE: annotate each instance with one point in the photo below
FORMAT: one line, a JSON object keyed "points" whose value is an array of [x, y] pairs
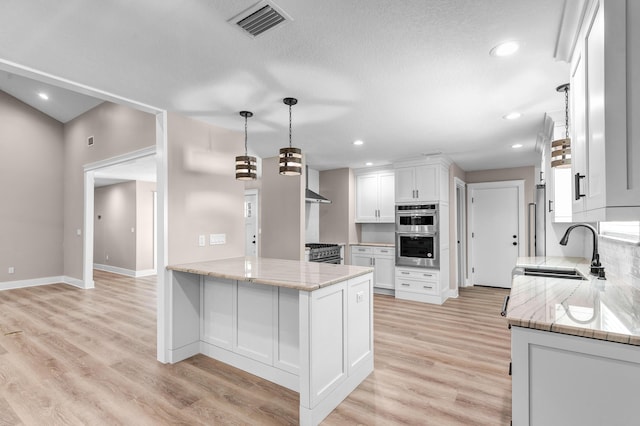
{"points": [[201, 241], [12, 270]]}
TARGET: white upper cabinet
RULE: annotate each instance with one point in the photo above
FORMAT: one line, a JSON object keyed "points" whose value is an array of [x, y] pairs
{"points": [[605, 67], [375, 197], [416, 182]]}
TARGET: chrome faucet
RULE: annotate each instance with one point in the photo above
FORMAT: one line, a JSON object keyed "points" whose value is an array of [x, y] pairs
{"points": [[596, 267]]}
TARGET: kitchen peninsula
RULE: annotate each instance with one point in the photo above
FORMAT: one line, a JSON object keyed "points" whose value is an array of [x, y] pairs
{"points": [[303, 325]]}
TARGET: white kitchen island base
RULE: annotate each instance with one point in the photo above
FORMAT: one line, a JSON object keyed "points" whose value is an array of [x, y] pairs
{"points": [[318, 343]]}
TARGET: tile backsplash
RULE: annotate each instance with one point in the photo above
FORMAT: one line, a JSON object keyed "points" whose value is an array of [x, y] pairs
{"points": [[620, 260]]}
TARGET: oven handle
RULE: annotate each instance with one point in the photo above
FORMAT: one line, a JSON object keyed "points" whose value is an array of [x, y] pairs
{"points": [[328, 260]]}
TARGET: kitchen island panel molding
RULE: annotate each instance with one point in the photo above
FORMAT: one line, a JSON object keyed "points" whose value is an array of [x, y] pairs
{"points": [[316, 339]]}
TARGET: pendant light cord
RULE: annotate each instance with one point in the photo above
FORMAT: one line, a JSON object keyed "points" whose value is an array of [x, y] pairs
{"points": [[566, 112], [290, 126], [246, 151]]}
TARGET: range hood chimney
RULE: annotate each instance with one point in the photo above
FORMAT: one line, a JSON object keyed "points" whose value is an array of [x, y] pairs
{"points": [[311, 196]]}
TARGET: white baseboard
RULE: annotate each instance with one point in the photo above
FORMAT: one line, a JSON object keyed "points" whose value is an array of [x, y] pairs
{"points": [[76, 282], [123, 271], [34, 282], [453, 292]]}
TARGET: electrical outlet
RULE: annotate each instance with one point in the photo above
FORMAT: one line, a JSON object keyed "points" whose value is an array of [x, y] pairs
{"points": [[107, 257], [12, 270], [78, 232], [217, 239], [360, 297], [201, 241]]}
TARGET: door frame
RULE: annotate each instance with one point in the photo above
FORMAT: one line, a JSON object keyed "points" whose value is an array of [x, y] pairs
{"points": [[460, 211], [519, 184], [255, 192]]}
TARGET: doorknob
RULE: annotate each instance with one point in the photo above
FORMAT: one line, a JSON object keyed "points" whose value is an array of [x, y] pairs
{"points": [[515, 236], [515, 244]]}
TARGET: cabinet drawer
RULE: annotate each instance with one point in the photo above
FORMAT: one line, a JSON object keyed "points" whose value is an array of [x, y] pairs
{"points": [[361, 250], [417, 275], [426, 287], [384, 251]]}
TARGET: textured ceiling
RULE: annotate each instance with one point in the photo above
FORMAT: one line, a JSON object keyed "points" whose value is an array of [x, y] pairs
{"points": [[407, 77]]}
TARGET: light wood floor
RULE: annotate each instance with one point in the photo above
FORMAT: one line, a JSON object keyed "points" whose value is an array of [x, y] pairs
{"points": [[70, 356]]}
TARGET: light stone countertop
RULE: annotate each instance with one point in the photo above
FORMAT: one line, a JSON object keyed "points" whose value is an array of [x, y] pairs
{"points": [[391, 245], [598, 309], [295, 274]]}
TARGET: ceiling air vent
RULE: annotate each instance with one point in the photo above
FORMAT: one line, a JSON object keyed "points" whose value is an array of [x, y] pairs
{"points": [[260, 18]]}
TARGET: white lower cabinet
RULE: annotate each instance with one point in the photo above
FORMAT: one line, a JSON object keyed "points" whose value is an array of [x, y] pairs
{"points": [[383, 261], [559, 379], [420, 285]]}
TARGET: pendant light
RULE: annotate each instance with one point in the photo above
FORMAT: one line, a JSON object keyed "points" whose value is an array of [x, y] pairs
{"points": [[561, 148], [245, 164], [290, 157]]}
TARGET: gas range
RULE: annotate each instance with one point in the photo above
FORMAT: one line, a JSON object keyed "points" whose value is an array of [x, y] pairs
{"points": [[325, 253]]}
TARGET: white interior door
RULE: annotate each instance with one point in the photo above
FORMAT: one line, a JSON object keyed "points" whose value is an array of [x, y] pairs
{"points": [[497, 233], [251, 224]]}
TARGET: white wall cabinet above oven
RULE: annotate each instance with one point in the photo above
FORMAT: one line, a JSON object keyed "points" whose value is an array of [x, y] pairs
{"points": [[375, 197], [424, 180], [605, 66]]}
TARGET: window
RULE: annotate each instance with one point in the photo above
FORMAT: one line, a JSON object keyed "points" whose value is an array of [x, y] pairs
{"points": [[627, 231]]}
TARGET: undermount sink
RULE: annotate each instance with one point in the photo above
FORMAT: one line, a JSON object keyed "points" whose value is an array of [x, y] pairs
{"points": [[570, 274]]}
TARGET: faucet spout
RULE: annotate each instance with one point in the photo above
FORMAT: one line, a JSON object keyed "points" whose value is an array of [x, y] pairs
{"points": [[596, 267]]}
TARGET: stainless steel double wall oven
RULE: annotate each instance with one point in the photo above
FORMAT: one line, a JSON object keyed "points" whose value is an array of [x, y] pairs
{"points": [[417, 239]]}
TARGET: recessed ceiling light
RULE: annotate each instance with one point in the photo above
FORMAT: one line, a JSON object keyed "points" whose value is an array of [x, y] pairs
{"points": [[369, 163], [358, 142], [516, 145], [43, 96], [505, 49], [512, 116]]}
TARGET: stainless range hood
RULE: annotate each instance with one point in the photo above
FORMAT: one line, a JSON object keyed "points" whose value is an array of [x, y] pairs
{"points": [[311, 196]]}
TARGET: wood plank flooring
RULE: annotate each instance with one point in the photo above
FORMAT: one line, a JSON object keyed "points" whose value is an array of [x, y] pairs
{"points": [[88, 357]]}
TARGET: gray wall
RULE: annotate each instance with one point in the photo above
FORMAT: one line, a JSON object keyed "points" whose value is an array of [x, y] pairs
{"points": [[283, 213], [337, 219], [31, 167], [118, 209], [204, 196], [116, 130]]}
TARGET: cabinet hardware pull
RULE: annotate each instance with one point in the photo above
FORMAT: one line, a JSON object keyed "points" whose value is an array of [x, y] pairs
{"points": [[576, 181], [417, 193], [426, 286], [550, 204], [427, 275], [404, 273], [406, 285], [541, 176]]}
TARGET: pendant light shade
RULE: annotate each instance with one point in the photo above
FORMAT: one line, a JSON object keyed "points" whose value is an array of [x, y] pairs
{"points": [[246, 164], [561, 148], [290, 157]]}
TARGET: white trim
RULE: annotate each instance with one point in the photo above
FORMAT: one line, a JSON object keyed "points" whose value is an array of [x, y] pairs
{"points": [[10, 285], [255, 192], [519, 184], [163, 279], [75, 282], [453, 293], [118, 159], [123, 271], [87, 246], [28, 72]]}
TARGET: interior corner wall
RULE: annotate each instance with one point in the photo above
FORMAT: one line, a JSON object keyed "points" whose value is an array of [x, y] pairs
{"points": [[337, 221], [114, 218], [282, 213], [454, 172], [117, 130], [145, 223], [31, 167], [203, 195]]}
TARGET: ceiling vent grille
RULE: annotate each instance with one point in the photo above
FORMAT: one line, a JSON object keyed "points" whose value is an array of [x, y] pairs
{"points": [[260, 18]]}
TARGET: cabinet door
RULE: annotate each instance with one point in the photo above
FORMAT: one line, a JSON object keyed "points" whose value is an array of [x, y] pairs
{"points": [[405, 184], [427, 183], [366, 198], [384, 272], [386, 197], [361, 259], [594, 55], [578, 140]]}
